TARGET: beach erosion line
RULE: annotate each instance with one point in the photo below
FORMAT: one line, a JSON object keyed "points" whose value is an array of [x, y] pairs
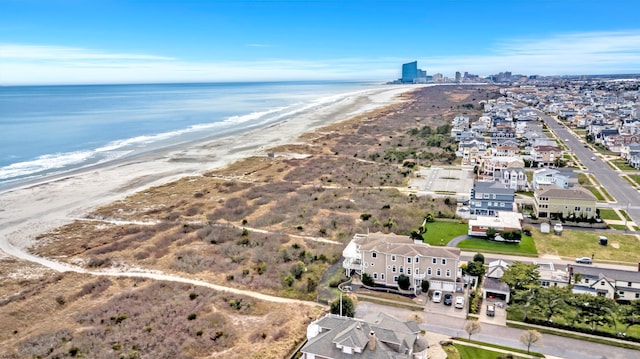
{"points": [[34, 209]]}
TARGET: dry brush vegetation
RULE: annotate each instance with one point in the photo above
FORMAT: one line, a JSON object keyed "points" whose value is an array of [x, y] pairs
{"points": [[252, 225]]}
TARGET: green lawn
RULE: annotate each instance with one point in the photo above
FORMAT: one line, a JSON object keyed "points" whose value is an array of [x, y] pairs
{"points": [[623, 165], [467, 352], [526, 247], [596, 193], [440, 233], [620, 227], [575, 243], [635, 178], [606, 213], [625, 215]]}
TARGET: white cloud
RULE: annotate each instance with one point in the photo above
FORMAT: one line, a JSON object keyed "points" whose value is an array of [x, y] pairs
{"points": [[578, 53]]}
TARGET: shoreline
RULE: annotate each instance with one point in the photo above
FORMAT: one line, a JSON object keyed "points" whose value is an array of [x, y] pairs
{"points": [[38, 206]]}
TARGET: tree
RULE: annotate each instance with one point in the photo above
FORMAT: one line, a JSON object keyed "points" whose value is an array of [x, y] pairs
{"points": [[550, 301], [478, 257], [521, 276], [424, 286], [530, 337], [416, 236], [348, 306], [475, 269], [404, 282], [472, 327], [491, 232], [630, 314], [367, 280]]}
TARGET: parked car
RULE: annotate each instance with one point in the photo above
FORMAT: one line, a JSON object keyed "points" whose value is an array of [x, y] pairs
{"points": [[491, 311], [584, 260], [593, 158], [448, 299], [437, 296], [460, 302]]}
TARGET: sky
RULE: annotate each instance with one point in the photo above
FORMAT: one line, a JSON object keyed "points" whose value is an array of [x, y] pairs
{"points": [[117, 41]]}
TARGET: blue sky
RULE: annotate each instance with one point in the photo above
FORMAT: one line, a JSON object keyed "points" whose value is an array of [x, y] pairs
{"points": [[111, 41]]}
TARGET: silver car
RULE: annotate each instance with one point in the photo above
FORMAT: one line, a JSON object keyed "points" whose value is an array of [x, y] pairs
{"points": [[584, 260]]}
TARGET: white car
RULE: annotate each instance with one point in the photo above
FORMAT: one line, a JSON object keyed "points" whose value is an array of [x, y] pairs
{"points": [[459, 302], [585, 260], [437, 296]]}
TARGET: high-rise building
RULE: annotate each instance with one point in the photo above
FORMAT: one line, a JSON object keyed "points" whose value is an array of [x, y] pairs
{"points": [[458, 76], [409, 72]]}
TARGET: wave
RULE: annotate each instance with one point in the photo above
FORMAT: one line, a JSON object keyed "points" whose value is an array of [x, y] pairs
{"points": [[57, 163]]}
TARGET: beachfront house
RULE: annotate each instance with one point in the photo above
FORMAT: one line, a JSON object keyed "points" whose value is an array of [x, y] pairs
{"points": [[385, 257], [575, 202], [487, 198], [378, 335]]}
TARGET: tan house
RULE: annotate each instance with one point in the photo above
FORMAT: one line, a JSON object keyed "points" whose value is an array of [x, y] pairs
{"points": [[575, 201], [545, 154], [385, 257]]}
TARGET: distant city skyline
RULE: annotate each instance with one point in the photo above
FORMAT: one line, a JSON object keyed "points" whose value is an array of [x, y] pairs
{"points": [[66, 42]]}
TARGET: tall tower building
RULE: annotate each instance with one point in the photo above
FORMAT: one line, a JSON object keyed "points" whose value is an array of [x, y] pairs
{"points": [[409, 72], [458, 76]]}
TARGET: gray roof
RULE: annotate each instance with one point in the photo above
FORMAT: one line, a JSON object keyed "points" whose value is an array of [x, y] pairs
{"points": [[393, 339], [495, 285], [569, 193], [492, 187], [404, 246], [613, 274]]}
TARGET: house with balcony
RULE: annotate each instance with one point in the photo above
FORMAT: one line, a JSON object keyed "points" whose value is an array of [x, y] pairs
{"points": [[514, 178], [546, 177], [376, 336], [385, 257], [487, 198], [611, 283], [556, 202], [545, 155], [502, 222]]}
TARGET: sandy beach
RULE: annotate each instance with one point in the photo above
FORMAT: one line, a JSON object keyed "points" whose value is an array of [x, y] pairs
{"points": [[33, 209]]}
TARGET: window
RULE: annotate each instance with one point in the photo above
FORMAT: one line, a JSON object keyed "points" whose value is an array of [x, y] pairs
{"points": [[501, 204], [486, 196], [417, 270], [372, 264], [401, 269], [545, 283], [393, 258], [429, 271], [373, 254], [602, 283], [417, 259], [628, 284], [588, 209], [408, 270], [448, 273], [586, 280], [408, 259], [382, 276], [395, 278], [375, 275], [494, 196], [438, 272], [434, 260], [576, 209], [637, 295], [621, 292], [393, 269], [444, 261]]}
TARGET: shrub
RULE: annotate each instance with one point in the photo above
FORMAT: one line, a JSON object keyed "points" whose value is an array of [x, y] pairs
{"points": [[192, 316], [367, 280], [404, 282]]}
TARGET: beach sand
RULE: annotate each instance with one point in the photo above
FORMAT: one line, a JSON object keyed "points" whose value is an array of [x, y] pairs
{"points": [[30, 210]]}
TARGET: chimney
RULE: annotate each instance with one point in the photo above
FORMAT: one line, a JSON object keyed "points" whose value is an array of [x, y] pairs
{"points": [[372, 340]]}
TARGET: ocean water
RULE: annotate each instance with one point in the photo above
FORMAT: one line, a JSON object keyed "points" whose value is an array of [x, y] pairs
{"points": [[48, 130]]}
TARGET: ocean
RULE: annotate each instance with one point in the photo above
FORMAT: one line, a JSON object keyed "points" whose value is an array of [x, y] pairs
{"points": [[49, 130]]}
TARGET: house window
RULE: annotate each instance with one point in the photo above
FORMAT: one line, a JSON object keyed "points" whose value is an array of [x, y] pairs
{"points": [[602, 283], [417, 270], [448, 273], [372, 264], [382, 276], [429, 271], [588, 209], [444, 261], [586, 280], [637, 295], [375, 275], [393, 258], [395, 278], [408, 259], [576, 209], [544, 283], [393, 269], [408, 270], [417, 259], [401, 269], [501, 204], [628, 284], [373, 255], [434, 260], [621, 292], [438, 272], [494, 196]]}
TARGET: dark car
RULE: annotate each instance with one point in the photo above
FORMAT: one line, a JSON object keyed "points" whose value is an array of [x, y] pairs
{"points": [[448, 299]]}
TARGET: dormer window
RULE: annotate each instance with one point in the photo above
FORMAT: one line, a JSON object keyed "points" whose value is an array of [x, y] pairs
{"points": [[374, 254]]}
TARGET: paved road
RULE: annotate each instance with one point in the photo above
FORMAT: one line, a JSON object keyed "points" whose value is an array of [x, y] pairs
{"points": [[552, 344], [626, 197]]}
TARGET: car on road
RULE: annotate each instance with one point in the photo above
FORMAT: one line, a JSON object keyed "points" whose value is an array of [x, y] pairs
{"points": [[448, 299], [491, 311], [584, 260], [593, 158], [437, 296], [460, 302]]}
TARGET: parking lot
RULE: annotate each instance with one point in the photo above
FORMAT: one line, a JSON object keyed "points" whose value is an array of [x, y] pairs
{"points": [[450, 310]]}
